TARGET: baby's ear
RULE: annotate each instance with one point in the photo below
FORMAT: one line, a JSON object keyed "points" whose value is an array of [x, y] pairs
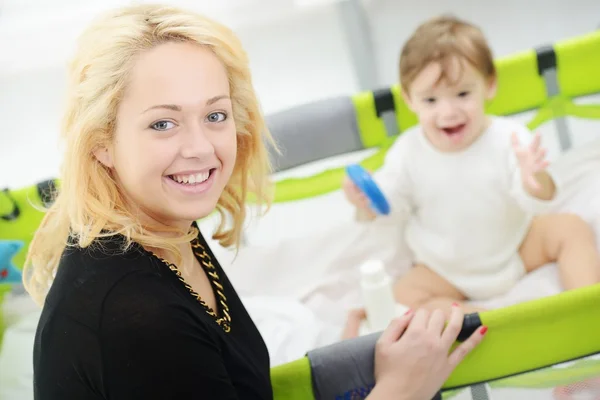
{"points": [[407, 100], [104, 155], [492, 87]]}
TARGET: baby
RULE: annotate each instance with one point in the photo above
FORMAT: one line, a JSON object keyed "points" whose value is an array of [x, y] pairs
{"points": [[471, 187]]}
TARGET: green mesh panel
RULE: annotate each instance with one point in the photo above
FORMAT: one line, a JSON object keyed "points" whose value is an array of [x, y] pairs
{"points": [[579, 379]]}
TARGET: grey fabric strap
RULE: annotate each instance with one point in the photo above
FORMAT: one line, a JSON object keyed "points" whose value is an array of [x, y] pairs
{"points": [[345, 370], [562, 128], [314, 131]]}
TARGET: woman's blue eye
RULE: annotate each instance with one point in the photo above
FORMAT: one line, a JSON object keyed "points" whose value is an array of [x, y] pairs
{"points": [[217, 117], [162, 125]]}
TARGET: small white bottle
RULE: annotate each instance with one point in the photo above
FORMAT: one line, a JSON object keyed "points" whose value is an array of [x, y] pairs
{"points": [[378, 295]]}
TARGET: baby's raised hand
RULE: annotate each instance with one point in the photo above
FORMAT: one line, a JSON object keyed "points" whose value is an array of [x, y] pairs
{"points": [[531, 159]]}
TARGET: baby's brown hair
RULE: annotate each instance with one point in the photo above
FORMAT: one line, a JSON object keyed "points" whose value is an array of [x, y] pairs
{"points": [[444, 39]]}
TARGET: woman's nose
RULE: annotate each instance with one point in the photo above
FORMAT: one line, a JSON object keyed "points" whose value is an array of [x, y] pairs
{"points": [[196, 143]]}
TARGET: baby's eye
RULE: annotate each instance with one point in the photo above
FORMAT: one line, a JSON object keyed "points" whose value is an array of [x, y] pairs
{"points": [[463, 94], [162, 125], [429, 100], [217, 117]]}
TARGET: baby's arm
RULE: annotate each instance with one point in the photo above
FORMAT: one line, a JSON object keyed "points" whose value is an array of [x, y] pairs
{"points": [[393, 180]]}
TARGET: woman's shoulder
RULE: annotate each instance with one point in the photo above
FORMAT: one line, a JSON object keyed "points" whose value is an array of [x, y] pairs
{"points": [[106, 270]]}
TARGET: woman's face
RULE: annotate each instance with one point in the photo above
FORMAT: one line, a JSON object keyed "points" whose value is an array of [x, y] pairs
{"points": [[175, 141]]}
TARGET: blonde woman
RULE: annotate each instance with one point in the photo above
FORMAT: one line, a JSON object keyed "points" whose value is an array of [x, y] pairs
{"points": [[162, 128]]}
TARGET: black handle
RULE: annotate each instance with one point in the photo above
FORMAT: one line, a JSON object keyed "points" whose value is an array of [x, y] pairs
{"points": [[470, 324], [14, 214]]}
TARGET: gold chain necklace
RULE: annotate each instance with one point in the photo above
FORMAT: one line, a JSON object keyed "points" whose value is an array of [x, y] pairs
{"points": [[200, 251]]}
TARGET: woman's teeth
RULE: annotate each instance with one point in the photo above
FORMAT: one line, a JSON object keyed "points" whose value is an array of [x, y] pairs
{"points": [[191, 179]]}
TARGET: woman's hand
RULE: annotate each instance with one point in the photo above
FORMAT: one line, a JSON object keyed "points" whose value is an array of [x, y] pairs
{"points": [[412, 359]]}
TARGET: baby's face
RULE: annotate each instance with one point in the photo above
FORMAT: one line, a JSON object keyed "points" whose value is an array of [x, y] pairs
{"points": [[451, 110]]}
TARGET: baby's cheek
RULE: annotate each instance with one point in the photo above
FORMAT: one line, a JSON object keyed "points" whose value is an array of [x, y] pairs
{"points": [[476, 107]]}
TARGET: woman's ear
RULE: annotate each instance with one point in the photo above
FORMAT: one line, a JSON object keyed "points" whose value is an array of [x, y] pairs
{"points": [[104, 155]]}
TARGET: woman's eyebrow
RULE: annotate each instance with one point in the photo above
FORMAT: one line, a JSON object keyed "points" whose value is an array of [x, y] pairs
{"points": [[175, 107]]}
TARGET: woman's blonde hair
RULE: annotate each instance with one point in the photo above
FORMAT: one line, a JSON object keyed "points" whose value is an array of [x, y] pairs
{"points": [[89, 204]]}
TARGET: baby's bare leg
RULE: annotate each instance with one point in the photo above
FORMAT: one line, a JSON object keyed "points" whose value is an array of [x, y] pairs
{"points": [[426, 289], [420, 287], [567, 240]]}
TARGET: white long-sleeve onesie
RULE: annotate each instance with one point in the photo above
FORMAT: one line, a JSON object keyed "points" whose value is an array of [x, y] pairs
{"points": [[467, 212]]}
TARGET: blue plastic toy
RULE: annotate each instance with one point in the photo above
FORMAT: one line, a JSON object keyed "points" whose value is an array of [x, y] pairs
{"points": [[9, 273], [362, 179]]}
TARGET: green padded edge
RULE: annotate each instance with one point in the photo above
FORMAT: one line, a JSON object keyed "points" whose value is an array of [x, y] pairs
{"points": [[520, 87], [370, 128], [405, 118], [293, 189], [578, 61], [292, 381], [533, 335]]}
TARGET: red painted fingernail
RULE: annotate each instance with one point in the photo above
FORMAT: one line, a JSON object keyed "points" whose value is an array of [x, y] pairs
{"points": [[483, 330], [454, 304], [407, 312]]}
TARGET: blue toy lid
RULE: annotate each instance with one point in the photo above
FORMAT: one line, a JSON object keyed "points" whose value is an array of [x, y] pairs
{"points": [[362, 179]]}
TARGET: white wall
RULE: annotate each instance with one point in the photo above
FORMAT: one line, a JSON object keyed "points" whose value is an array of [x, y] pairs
{"points": [[510, 25], [296, 58]]}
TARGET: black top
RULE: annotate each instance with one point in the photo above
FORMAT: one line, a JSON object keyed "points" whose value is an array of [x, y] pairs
{"points": [[123, 326]]}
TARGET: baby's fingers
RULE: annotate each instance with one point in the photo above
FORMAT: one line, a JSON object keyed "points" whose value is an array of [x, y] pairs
{"points": [[540, 154], [536, 142], [466, 347]]}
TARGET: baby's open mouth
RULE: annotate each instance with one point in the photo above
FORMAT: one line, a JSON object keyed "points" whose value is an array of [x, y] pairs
{"points": [[453, 130]]}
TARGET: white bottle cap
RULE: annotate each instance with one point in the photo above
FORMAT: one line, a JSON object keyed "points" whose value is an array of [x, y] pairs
{"points": [[373, 271]]}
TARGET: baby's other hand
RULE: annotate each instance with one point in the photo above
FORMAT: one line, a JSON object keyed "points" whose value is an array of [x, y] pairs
{"points": [[355, 195], [359, 200]]}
